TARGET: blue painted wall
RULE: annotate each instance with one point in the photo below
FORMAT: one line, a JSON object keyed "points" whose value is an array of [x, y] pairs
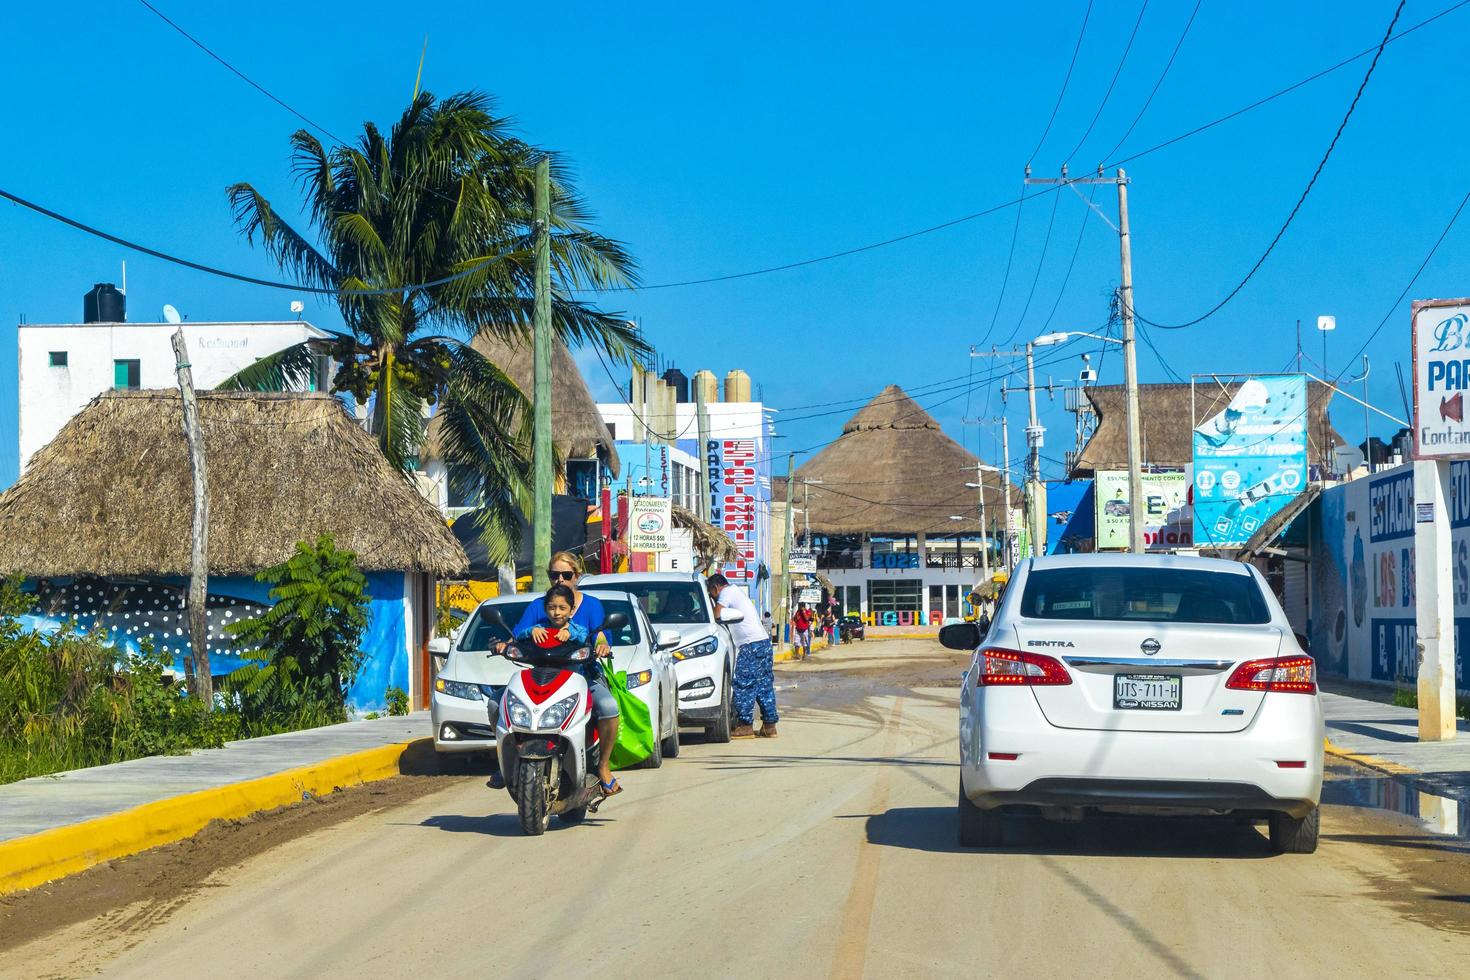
{"points": [[137, 608]]}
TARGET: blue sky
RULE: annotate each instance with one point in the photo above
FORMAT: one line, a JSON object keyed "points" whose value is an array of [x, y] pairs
{"points": [[716, 140]]}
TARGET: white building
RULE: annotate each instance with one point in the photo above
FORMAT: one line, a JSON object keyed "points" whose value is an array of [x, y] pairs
{"points": [[63, 366]]}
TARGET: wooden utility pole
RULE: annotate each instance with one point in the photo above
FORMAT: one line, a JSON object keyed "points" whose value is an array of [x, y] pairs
{"points": [[197, 669], [541, 446]]}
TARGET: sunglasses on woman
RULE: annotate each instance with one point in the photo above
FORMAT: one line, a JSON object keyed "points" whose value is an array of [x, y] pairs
{"points": [[562, 576]]}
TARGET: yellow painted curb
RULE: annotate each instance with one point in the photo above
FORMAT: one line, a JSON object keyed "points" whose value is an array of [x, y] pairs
{"points": [[1371, 762], [26, 862]]}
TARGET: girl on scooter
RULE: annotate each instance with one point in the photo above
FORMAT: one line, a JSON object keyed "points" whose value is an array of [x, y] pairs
{"points": [[565, 570]]}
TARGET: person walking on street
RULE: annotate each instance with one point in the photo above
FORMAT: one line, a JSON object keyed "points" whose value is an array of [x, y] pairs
{"points": [[754, 682], [801, 625]]}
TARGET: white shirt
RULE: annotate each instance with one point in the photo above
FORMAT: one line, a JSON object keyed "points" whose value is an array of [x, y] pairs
{"points": [[749, 629]]}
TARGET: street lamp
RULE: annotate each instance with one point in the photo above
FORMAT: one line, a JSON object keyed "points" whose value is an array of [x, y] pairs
{"points": [[1130, 398], [980, 468]]}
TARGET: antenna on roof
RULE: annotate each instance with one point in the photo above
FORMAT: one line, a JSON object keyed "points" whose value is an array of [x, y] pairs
{"points": [[171, 314], [296, 307]]}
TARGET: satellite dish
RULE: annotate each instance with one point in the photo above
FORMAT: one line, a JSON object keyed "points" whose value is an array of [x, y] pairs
{"points": [[297, 306], [170, 314]]}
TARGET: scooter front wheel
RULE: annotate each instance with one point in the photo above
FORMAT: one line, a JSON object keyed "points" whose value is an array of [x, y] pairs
{"points": [[533, 802]]}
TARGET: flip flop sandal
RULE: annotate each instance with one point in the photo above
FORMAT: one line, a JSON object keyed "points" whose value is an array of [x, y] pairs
{"points": [[610, 789]]}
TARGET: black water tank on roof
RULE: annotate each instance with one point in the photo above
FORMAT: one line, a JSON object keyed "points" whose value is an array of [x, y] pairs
{"points": [[675, 379], [104, 303]]}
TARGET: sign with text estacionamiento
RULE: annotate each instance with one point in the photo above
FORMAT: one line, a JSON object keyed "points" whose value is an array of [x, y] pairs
{"points": [[1166, 520], [1441, 331], [649, 523], [1250, 459]]}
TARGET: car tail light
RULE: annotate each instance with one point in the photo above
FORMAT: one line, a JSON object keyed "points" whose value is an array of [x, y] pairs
{"points": [[1012, 667], [1289, 675]]}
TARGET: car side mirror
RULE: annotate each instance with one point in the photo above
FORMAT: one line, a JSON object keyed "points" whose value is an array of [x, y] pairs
{"points": [[960, 636], [615, 621], [493, 617], [668, 639], [728, 616], [439, 646]]}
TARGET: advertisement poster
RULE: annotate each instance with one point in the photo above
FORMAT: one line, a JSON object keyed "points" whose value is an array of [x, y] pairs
{"points": [[1250, 459], [802, 561], [1441, 376], [649, 523], [1167, 522], [740, 499]]}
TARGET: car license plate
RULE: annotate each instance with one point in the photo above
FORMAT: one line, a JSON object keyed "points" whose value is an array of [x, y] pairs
{"points": [[1147, 692]]}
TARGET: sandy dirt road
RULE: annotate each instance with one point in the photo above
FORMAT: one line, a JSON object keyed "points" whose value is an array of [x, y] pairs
{"points": [[828, 852]]}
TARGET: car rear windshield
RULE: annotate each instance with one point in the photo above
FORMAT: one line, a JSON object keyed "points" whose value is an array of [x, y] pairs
{"points": [[481, 635], [1155, 595], [670, 602]]}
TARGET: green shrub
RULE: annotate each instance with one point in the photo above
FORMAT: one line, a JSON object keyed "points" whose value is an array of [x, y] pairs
{"points": [[397, 700], [307, 645]]}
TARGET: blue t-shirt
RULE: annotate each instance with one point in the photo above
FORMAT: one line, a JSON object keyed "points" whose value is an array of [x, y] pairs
{"points": [[589, 615]]}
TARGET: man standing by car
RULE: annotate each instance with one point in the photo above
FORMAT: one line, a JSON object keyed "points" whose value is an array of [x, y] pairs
{"points": [[753, 682]]}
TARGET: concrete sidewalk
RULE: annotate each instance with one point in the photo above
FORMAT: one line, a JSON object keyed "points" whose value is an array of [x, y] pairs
{"points": [[59, 824], [1370, 731]]}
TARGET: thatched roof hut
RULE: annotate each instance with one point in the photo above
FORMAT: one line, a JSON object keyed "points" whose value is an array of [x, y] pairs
{"points": [[710, 543], [1166, 424], [111, 495], [577, 428], [893, 469]]}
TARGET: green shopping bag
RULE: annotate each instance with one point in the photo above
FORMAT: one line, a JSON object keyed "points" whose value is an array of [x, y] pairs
{"points": [[636, 734]]}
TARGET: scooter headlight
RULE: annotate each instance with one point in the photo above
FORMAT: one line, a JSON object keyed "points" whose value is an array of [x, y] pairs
{"points": [[516, 711], [557, 714]]}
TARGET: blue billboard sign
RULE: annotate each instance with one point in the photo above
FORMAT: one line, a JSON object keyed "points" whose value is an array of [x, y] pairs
{"points": [[1250, 459]]}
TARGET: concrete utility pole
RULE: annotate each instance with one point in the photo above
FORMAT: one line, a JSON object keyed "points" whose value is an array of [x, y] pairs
{"points": [[702, 413], [1035, 491], [201, 680], [1005, 451], [984, 531], [1130, 376], [541, 446], [1136, 543], [786, 542]]}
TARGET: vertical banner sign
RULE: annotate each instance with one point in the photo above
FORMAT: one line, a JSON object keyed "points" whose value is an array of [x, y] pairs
{"points": [[739, 497], [1167, 522], [1441, 376], [649, 524], [1250, 459]]}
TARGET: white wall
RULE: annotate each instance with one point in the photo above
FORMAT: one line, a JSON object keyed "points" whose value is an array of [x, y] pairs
{"points": [[50, 396]]}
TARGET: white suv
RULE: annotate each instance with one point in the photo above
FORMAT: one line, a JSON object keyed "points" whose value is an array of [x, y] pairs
{"points": [[704, 659]]}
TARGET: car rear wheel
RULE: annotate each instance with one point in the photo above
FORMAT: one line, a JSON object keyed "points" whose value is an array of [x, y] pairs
{"points": [[1295, 835], [671, 741], [719, 729], [978, 828]]}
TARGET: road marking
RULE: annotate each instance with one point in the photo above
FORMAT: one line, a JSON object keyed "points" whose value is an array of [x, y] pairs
{"points": [[857, 911]]}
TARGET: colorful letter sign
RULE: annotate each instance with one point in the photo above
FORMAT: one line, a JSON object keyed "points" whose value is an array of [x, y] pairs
{"points": [[1250, 459]]}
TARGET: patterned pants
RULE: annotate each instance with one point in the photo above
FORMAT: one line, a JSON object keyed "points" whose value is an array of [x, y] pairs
{"points": [[754, 683]]}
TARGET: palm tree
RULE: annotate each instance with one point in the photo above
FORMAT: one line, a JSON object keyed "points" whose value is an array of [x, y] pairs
{"points": [[427, 235]]}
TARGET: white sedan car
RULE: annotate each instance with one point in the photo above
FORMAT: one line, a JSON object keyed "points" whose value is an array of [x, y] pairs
{"points": [[1138, 684], [468, 688]]}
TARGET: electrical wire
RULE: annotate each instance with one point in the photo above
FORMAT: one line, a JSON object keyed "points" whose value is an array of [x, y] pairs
{"points": [[1163, 75], [252, 280], [1077, 248], [1321, 165], [1066, 80], [1040, 264], [1109, 93], [1010, 258]]}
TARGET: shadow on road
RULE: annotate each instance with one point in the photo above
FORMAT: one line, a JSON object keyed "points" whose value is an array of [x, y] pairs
{"points": [[495, 824], [933, 828]]}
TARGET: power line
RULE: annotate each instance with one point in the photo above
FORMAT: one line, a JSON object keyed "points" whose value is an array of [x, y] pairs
{"points": [[1300, 200], [1040, 264], [1109, 93], [1081, 229], [1010, 257], [1066, 80], [252, 280], [1163, 75]]}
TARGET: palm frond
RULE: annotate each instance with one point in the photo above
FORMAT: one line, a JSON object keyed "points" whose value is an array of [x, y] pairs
{"points": [[255, 216], [289, 369]]}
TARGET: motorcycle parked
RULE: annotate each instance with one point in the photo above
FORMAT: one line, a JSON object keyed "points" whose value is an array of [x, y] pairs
{"points": [[546, 735]]}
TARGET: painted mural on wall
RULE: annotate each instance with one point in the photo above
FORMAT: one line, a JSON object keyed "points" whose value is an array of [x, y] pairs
{"points": [[153, 609], [1250, 459], [1361, 617]]}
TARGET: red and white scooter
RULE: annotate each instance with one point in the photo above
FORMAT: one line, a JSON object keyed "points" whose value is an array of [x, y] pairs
{"points": [[546, 735]]}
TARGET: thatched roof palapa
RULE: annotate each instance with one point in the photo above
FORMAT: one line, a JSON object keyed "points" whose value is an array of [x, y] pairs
{"points": [[1166, 425], [710, 542], [112, 494], [894, 470], [577, 428]]}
